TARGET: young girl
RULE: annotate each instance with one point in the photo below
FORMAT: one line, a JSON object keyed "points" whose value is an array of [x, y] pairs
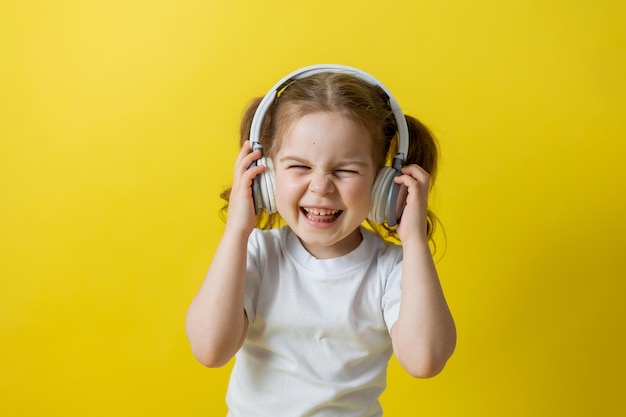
{"points": [[315, 308]]}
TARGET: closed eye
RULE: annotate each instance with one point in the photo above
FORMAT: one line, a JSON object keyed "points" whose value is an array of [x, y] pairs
{"points": [[298, 167], [346, 172]]}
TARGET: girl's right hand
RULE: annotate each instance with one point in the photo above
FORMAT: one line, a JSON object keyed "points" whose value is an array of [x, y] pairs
{"points": [[241, 216]]}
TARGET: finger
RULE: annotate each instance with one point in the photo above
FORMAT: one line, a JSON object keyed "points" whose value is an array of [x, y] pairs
{"points": [[252, 172], [406, 180], [246, 159], [245, 150], [416, 172], [412, 168], [414, 185]]}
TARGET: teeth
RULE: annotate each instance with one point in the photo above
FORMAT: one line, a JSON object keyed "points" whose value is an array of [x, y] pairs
{"points": [[321, 212]]}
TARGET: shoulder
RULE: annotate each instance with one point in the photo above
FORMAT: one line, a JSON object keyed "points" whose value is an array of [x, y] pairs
{"points": [[265, 240], [386, 257], [380, 247]]}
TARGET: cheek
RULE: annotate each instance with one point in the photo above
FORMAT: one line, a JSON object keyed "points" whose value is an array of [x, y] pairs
{"points": [[286, 187], [359, 192]]}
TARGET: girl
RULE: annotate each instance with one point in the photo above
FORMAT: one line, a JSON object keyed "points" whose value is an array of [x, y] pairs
{"points": [[315, 308]]}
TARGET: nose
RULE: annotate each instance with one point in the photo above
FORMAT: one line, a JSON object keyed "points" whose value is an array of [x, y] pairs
{"points": [[321, 183]]}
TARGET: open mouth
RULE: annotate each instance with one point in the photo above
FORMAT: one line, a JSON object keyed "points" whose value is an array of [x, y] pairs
{"points": [[320, 215]]}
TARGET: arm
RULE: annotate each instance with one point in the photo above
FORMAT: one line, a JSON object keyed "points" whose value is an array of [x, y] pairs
{"points": [[216, 322], [424, 335]]}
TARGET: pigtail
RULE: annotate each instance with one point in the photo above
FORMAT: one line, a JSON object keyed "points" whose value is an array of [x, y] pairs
{"points": [[424, 151], [246, 120]]}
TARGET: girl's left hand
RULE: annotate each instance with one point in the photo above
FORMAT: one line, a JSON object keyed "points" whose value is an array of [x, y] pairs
{"points": [[414, 218]]}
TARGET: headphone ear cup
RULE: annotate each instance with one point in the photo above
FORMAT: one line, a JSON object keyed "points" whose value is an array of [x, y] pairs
{"points": [[263, 187], [377, 209], [270, 180], [388, 198]]}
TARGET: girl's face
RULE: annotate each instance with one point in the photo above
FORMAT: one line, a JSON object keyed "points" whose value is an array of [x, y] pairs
{"points": [[324, 176]]}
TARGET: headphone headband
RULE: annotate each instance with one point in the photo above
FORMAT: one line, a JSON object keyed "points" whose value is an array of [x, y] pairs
{"points": [[266, 102]]}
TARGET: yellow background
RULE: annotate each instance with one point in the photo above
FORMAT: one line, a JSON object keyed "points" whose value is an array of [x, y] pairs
{"points": [[118, 129]]}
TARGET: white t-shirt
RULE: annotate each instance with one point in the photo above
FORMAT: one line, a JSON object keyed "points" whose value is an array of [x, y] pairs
{"points": [[318, 340]]}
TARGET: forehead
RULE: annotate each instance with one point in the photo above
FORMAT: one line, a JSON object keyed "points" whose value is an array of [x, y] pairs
{"points": [[335, 134]]}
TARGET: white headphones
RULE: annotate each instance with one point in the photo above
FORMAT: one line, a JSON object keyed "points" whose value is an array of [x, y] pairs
{"points": [[388, 198]]}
